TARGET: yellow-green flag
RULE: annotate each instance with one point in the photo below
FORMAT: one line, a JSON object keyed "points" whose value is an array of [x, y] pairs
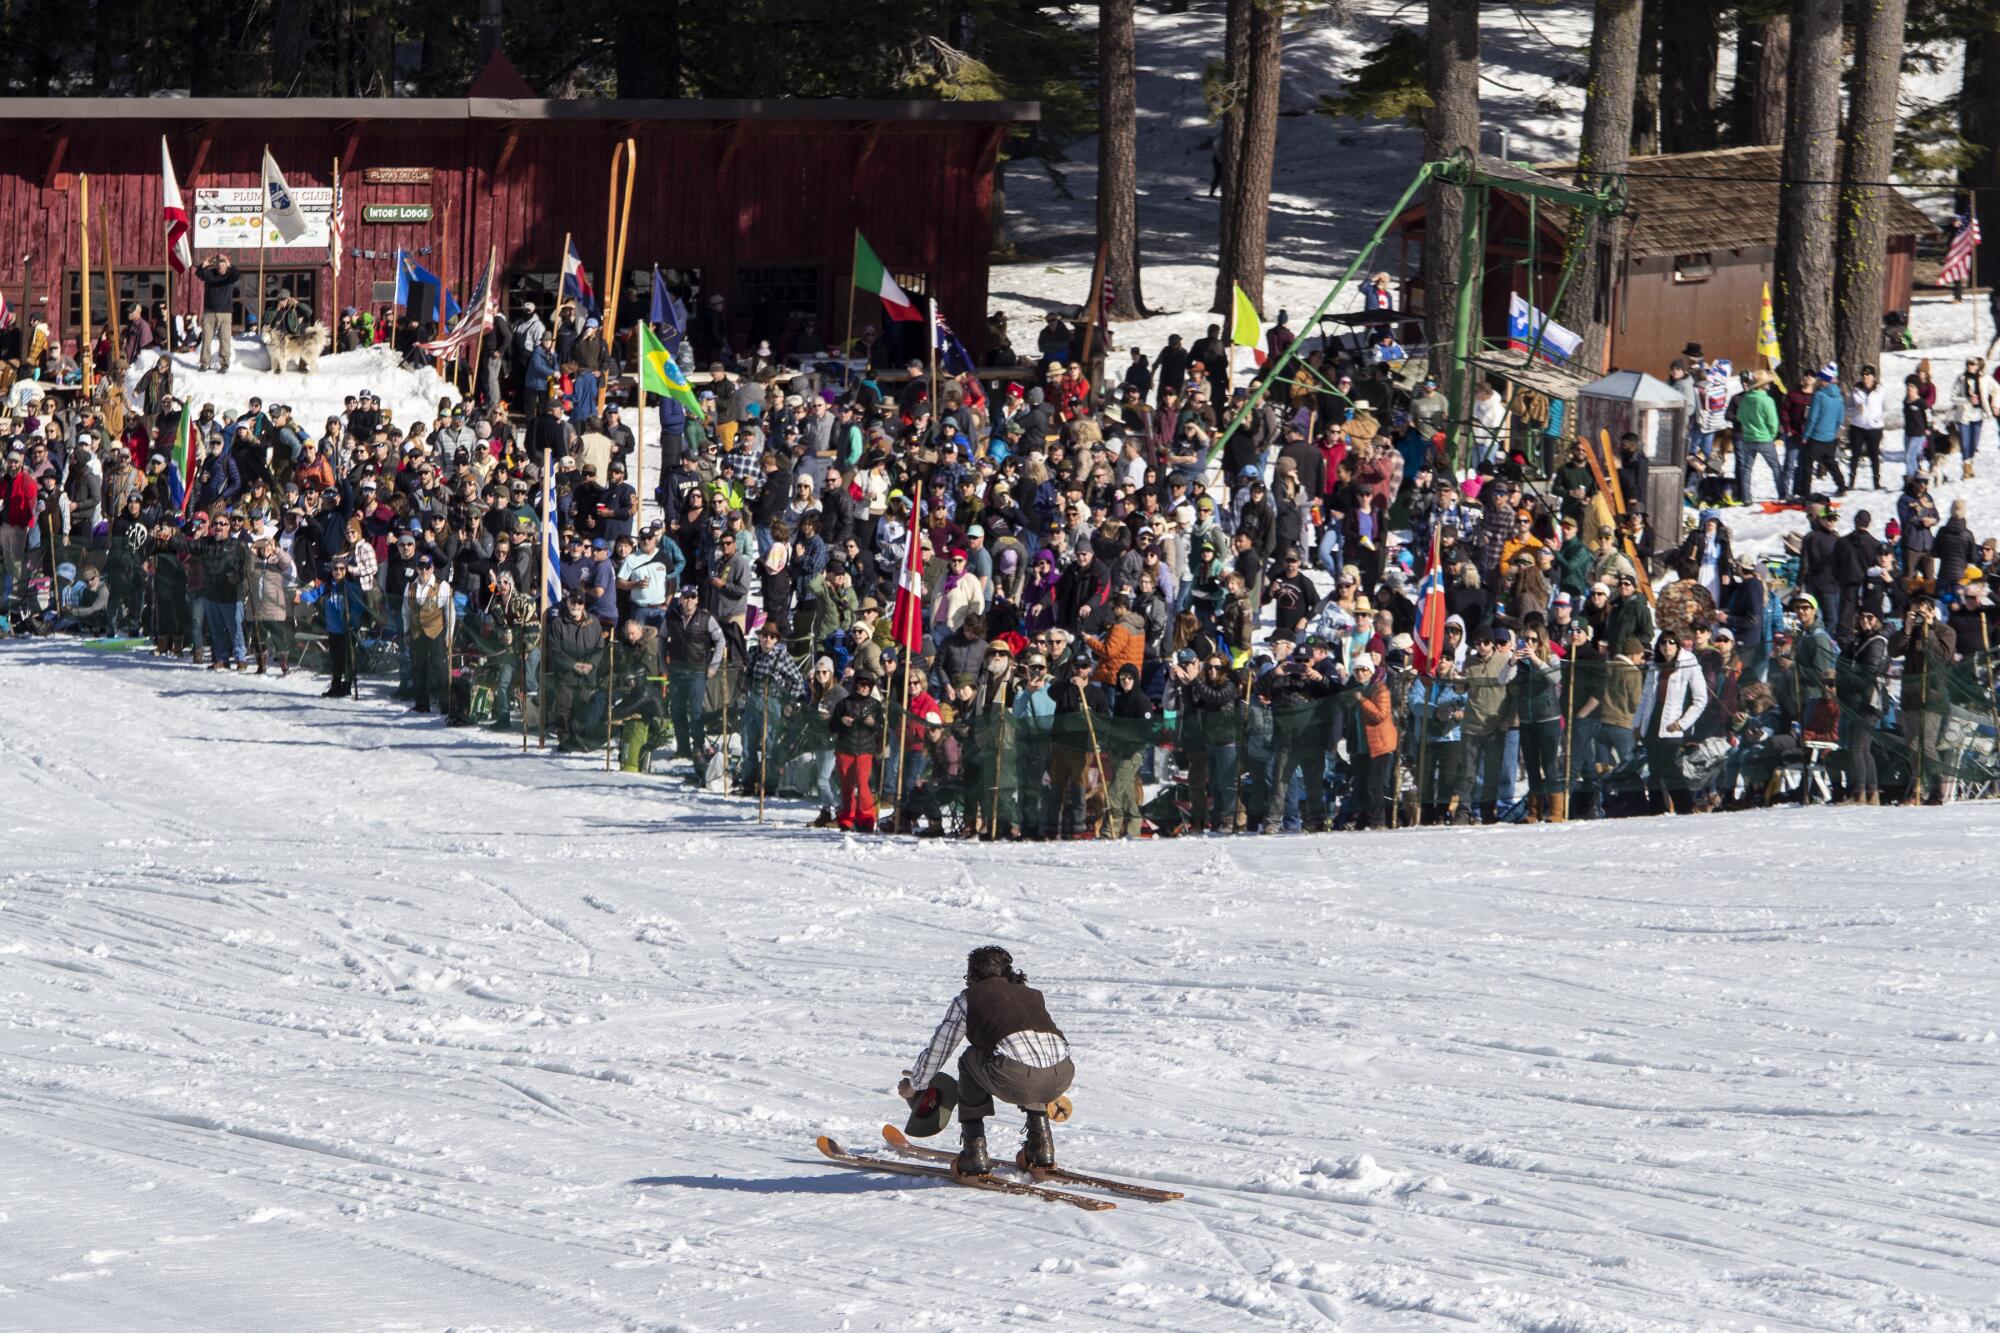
{"points": [[1767, 331], [658, 373]]}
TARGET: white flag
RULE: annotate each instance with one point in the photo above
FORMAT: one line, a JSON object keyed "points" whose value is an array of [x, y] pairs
{"points": [[281, 209]]}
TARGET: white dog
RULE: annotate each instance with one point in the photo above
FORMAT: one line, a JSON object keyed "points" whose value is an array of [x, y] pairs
{"points": [[304, 348]]}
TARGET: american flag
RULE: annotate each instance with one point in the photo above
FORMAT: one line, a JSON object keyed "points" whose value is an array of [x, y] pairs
{"points": [[339, 231], [6, 312], [1107, 297], [475, 319], [1958, 256]]}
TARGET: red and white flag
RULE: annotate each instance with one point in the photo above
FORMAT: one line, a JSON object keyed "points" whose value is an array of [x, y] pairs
{"points": [[907, 628], [1958, 255], [176, 214], [1428, 650]]}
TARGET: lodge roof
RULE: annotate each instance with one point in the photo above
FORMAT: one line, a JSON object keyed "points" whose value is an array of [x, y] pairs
{"points": [[1724, 199], [75, 112]]}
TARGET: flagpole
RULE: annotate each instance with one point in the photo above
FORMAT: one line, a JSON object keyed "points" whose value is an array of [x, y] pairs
{"points": [[166, 267], [444, 275], [937, 405], [609, 324], [639, 452], [847, 343], [479, 343], [83, 356], [915, 539], [333, 256], [542, 605], [114, 307], [562, 273], [263, 233]]}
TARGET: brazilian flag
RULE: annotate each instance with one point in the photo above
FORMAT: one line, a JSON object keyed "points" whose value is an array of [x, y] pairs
{"points": [[659, 375]]}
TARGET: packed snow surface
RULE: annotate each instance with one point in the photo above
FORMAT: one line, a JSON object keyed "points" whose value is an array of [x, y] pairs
{"points": [[410, 395], [316, 1017]]}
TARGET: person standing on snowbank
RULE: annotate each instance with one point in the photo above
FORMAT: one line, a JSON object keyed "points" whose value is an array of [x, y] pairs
{"points": [[1017, 1053]]}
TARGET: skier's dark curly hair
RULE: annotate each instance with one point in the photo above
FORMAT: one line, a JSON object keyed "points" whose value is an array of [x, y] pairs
{"points": [[989, 961]]}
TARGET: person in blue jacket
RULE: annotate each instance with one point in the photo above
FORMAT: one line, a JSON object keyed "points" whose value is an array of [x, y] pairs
{"points": [[1824, 414], [343, 609]]}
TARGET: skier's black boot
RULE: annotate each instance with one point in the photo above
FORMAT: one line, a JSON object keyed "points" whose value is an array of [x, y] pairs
{"points": [[972, 1158], [1040, 1149]]}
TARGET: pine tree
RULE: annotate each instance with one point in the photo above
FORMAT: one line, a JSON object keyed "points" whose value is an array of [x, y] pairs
{"points": [[1227, 96], [1806, 200], [1256, 152], [1869, 156], [1451, 124], [1607, 140], [1689, 44], [1118, 156]]}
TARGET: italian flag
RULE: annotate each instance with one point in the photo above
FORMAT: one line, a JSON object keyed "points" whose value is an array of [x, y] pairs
{"points": [[1246, 329], [870, 276]]}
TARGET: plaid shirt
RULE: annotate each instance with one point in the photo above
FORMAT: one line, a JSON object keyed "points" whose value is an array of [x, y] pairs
{"points": [[1038, 1050], [774, 673]]}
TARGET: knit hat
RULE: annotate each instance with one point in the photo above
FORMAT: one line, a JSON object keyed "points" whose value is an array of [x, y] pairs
{"points": [[1830, 371]]}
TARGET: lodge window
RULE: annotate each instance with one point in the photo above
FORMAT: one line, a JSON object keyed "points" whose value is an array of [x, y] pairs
{"points": [[300, 282], [775, 299], [1693, 268], [688, 282], [537, 287], [135, 286]]}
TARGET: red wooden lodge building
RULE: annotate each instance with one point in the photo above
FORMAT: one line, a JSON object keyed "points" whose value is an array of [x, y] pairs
{"points": [[754, 200]]}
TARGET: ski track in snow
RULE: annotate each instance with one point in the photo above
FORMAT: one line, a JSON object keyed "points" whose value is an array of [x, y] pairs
{"points": [[319, 1018]]}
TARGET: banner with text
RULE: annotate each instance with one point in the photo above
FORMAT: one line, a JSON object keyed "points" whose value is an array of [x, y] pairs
{"points": [[229, 219]]}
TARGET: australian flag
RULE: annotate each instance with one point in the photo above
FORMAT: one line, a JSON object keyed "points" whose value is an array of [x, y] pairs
{"points": [[953, 359]]}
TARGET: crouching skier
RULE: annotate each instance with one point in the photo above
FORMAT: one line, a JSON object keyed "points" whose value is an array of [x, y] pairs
{"points": [[1017, 1054]]}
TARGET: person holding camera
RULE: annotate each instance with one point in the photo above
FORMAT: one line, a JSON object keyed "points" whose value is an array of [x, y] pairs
{"points": [[218, 309], [1928, 647]]}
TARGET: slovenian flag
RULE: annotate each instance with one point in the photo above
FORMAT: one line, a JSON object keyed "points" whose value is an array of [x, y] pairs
{"points": [[1246, 329], [1558, 343], [576, 283], [870, 276]]}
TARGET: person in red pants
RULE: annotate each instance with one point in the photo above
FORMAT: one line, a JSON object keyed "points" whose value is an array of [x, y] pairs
{"points": [[857, 738]]}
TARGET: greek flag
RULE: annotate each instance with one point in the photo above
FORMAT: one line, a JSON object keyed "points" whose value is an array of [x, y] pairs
{"points": [[551, 552]]}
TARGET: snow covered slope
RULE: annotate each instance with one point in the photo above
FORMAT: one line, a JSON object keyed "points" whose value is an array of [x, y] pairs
{"points": [[411, 395], [312, 1017]]}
